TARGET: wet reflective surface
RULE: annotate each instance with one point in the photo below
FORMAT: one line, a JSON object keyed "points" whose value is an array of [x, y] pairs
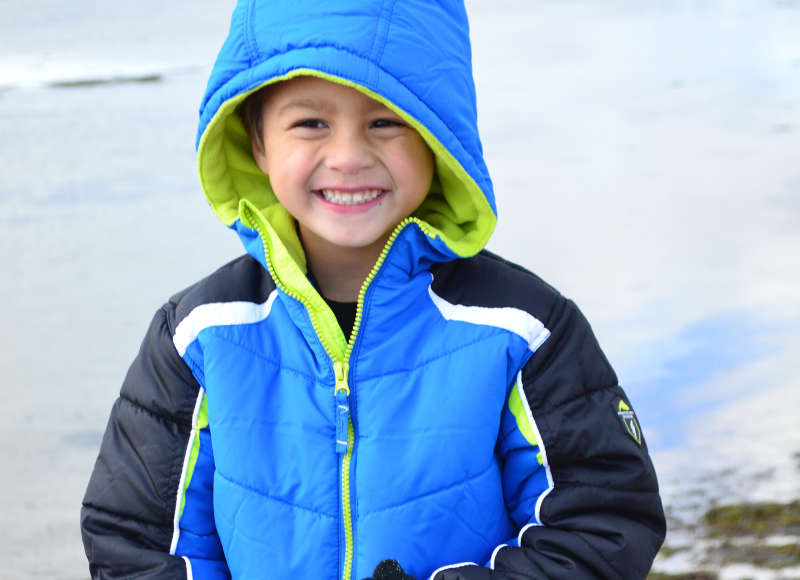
{"points": [[646, 160]]}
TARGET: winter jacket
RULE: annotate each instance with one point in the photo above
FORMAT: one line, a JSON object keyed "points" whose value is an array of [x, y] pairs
{"points": [[469, 427]]}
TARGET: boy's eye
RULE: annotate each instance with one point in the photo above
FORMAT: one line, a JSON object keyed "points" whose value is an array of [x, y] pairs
{"points": [[381, 123], [309, 124]]}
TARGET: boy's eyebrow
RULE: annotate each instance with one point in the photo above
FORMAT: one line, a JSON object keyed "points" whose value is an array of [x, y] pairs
{"points": [[377, 106], [324, 106], [306, 103]]}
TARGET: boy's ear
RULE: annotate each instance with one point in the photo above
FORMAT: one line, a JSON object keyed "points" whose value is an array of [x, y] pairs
{"points": [[259, 153]]}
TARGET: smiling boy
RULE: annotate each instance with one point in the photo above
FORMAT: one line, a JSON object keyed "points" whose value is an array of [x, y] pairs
{"points": [[368, 392], [347, 168]]}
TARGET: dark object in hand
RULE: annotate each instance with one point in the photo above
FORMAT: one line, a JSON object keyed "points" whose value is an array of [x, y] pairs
{"points": [[389, 570]]}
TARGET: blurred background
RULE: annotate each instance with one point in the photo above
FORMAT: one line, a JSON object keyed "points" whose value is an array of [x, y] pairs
{"points": [[646, 160]]}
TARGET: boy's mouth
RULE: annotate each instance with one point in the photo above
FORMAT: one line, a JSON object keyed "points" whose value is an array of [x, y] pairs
{"points": [[340, 197]]}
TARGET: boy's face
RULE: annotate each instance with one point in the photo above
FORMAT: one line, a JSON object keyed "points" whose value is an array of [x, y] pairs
{"points": [[346, 167]]}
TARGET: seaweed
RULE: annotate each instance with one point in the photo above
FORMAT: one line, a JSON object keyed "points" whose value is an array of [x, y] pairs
{"points": [[760, 519]]}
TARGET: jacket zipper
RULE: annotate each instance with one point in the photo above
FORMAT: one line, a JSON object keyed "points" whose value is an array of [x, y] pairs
{"points": [[345, 431], [345, 436]]}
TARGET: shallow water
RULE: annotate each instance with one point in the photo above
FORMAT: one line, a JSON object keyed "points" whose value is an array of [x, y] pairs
{"points": [[646, 160]]}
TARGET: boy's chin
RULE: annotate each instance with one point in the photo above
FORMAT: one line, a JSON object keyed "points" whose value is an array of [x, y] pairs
{"points": [[344, 243]]}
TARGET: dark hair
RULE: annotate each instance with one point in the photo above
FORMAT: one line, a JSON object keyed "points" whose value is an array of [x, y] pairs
{"points": [[250, 112]]}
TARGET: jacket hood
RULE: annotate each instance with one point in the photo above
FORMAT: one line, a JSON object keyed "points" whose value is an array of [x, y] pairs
{"points": [[413, 56]]}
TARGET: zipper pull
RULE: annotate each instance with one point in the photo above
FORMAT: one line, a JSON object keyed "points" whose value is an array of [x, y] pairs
{"points": [[341, 392], [341, 370]]}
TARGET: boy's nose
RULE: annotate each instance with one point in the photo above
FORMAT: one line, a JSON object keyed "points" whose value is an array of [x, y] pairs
{"points": [[348, 152]]}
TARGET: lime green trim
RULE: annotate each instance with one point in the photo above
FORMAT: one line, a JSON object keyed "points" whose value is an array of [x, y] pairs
{"points": [[200, 423], [456, 208], [517, 408], [292, 280], [346, 510]]}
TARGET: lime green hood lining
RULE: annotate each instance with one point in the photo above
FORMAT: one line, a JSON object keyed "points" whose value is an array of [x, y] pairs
{"points": [[455, 209]]}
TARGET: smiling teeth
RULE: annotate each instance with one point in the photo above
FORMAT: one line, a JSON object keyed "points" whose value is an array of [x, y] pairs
{"points": [[341, 198]]}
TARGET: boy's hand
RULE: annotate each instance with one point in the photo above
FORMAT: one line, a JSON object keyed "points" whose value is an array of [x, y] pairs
{"points": [[389, 570]]}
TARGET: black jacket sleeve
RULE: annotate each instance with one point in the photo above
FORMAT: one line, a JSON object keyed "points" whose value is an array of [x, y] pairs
{"points": [[601, 516], [128, 514]]}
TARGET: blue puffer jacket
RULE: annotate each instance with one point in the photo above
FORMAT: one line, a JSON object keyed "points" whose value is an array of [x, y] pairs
{"points": [[470, 427]]}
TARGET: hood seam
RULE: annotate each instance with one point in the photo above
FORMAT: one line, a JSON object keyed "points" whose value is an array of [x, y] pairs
{"points": [[248, 32], [377, 49]]}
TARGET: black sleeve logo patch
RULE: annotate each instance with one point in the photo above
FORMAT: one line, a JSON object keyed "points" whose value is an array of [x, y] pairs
{"points": [[629, 421]]}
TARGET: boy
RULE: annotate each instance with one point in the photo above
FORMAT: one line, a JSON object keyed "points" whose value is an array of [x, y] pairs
{"points": [[367, 392]]}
